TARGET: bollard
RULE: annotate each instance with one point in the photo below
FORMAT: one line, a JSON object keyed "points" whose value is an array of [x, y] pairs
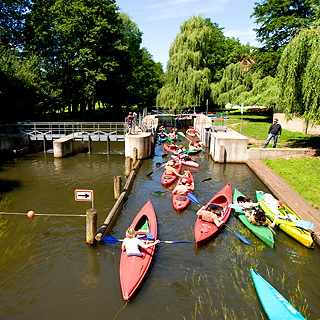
{"points": [[128, 166], [117, 186], [91, 225]]}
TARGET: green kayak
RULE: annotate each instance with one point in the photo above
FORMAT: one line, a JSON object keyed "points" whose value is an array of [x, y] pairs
{"points": [[263, 233]]}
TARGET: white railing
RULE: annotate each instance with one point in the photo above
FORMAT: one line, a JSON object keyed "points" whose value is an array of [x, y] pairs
{"points": [[56, 130]]}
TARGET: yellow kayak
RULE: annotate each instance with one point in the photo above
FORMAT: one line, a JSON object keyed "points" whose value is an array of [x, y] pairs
{"points": [[271, 209]]}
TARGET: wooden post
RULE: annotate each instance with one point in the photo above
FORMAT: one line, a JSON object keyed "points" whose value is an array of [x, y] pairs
{"points": [[89, 144], [91, 225], [117, 186], [222, 155], [44, 144], [135, 155], [108, 144], [128, 166]]}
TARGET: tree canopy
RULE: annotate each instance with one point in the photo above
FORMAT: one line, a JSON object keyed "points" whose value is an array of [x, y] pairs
{"points": [[280, 20], [299, 76], [197, 57]]}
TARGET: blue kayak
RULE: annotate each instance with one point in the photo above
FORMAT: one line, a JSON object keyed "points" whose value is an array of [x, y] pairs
{"points": [[274, 304]]}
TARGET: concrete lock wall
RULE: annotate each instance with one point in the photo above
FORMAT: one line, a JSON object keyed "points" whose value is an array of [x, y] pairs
{"points": [[141, 141], [66, 146], [229, 146]]}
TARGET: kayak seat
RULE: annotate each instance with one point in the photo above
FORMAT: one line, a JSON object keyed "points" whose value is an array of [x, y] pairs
{"points": [[167, 177]]}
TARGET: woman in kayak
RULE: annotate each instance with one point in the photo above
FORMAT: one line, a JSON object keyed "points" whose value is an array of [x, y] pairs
{"points": [[212, 214], [131, 244], [259, 218]]}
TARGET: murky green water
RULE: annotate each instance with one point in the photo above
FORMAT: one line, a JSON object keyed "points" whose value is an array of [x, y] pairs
{"points": [[48, 272]]}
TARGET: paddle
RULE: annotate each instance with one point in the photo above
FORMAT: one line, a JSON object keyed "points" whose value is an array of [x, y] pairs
{"points": [[182, 134], [194, 199], [298, 223], [112, 240], [150, 173], [159, 193]]}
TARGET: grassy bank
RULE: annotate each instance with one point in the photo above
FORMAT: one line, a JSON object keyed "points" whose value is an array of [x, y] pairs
{"points": [[302, 173]]}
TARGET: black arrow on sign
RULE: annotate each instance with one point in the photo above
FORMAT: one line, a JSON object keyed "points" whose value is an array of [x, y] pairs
{"points": [[84, 195]]}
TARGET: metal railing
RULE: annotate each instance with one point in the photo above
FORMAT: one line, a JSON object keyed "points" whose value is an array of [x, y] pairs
{"points": [[56, 130]]}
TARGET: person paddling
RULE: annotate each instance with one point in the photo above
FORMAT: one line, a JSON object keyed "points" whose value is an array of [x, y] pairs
{"points": [[131, 244], [212, 214]]}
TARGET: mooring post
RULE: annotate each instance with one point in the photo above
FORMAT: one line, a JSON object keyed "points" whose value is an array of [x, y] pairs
{"points": [[135, 155], [128, 166], [108, 144], [44, 144], [91, 225], [117, 186], [89, 144]]}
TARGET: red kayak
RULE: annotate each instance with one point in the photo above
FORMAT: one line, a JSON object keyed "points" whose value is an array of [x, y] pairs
{"points": [[168, 179], [189, 163], [181, 201], [168, 149], [204, 230], [133, 268]]}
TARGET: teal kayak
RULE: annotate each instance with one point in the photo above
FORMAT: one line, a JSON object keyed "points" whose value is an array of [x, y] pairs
{"points": [[274, 304], [263, 233]]}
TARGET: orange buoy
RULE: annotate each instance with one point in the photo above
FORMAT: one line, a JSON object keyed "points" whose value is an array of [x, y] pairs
{"points": [[30, 214]]}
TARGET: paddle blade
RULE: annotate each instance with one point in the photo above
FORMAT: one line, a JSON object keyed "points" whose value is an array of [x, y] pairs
{"points": [[192, 197], [158, 193], [235, 206], [304, 224], [110, 240], [238, 235]]}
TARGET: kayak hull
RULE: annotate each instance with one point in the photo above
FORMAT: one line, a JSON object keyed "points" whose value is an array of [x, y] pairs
{"points": [[274, 304], [133, 268], [301, 235], [203, 230], [179, 201], [263, 233]]}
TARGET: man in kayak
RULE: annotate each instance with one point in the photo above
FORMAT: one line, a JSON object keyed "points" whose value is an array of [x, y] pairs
{"points": [[131, 244], [212, 214], [183, 188], [170, 170]]}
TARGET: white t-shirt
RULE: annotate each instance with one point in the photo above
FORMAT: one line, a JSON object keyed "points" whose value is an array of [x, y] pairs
{"points": [[132, 246]]}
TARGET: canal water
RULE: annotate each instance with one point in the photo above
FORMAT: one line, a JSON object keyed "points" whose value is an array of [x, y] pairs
{"points": [[47, 271]]}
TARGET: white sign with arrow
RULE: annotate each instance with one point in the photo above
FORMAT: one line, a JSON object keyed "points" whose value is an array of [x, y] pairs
{"points": [[83, 195]]}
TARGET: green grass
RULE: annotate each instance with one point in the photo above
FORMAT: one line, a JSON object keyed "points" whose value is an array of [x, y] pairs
{"points": [[302, 174]]}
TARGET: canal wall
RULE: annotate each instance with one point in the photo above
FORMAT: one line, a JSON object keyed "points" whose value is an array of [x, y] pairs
{"points": [[14, 144]]}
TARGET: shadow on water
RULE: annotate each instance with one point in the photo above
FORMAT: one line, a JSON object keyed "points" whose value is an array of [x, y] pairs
{"points": [[48, 272]]}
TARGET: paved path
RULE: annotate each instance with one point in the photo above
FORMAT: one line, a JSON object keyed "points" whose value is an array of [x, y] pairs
{"points": [[289, 196]]}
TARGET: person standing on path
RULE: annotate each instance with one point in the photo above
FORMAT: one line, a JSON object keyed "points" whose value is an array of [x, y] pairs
{"points": [[274, 132]]}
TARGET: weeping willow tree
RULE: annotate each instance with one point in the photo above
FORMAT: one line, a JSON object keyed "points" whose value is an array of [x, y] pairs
{"points": [[299, 77], [196, 58], [238, 86]]}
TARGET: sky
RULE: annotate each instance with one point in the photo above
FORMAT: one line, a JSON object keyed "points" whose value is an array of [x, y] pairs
{"points": [[160, 20]]}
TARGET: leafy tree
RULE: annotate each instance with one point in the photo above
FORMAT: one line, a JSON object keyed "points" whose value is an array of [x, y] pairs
{"points": [[12, 21], [198, 56], [280, 20], [299, 76], [238, 86]]}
